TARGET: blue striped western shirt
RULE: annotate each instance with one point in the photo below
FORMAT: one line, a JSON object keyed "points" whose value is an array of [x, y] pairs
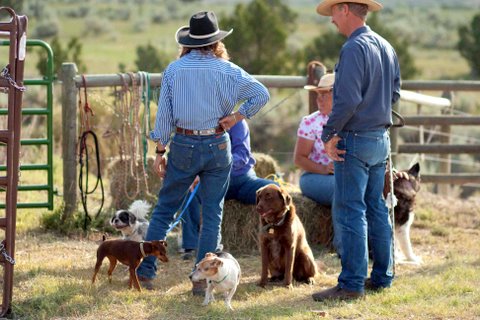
{"points": [[367, 83], [199, 89]]}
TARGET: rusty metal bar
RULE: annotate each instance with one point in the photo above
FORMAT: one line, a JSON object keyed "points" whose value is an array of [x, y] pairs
{"points": [[16, 27]]}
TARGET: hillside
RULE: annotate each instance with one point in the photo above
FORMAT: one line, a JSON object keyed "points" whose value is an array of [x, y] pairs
{"points": [[110, 30]]}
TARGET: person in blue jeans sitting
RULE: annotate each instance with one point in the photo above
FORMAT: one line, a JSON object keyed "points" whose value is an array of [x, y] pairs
{"points": [[244, 184], [317, 181]]}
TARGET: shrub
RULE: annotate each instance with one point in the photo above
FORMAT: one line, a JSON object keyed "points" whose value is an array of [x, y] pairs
{"points": [[46, 29], [95, 26], [79, 12]]}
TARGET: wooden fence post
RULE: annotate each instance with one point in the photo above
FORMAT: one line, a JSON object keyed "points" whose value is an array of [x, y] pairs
{"points": [[315, 70], [445, 166], [69, 138]]}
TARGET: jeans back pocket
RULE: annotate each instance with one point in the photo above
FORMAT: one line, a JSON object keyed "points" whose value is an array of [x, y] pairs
{"points": [[222, 153], [181, 155]]}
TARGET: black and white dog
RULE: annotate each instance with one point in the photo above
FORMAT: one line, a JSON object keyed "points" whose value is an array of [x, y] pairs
{"points": [[132, 223], [406, 187]]}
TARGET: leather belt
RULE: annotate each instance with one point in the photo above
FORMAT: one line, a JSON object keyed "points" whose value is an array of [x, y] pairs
{"points": [[204, 132]]}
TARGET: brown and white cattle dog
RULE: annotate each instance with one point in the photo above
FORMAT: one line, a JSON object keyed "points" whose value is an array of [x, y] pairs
{"points": [[283, 245], [406, 186]]}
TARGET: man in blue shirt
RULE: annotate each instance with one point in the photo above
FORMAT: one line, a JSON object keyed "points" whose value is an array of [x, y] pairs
{"points": [[367, 83], [243, 186]]}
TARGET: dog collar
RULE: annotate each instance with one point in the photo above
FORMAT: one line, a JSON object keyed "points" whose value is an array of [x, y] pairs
{"points": [[218, 282], [141, 249], [266, 227]]}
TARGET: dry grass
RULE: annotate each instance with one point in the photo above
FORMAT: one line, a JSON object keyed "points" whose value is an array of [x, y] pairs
{"points": [[53, 279]]}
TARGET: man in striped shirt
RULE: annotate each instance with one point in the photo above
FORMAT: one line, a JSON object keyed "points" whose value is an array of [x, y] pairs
{"points": [[198, 95]]}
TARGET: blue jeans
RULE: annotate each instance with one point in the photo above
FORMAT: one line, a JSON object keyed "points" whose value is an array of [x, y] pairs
{"points": [[361, 211], [208, 157], [320, 188], [243, 188]]}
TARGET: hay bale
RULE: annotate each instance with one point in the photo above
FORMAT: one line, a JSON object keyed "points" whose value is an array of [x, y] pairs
{"points": [[124, 187], [265, 165], [241, 224]]}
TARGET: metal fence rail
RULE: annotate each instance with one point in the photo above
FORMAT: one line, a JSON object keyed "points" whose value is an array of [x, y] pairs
{"points": [[11, 84]]}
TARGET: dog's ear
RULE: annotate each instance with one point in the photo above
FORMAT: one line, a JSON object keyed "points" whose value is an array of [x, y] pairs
{"points": [[131, 218], [217, 263], [163, 242], [415, 170], [259, 191], [210, 254], [287, 198]]}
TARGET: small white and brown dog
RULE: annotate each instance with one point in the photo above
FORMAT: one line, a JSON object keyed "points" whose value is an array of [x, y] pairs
{"points": [[132, 223], [222, 272]]}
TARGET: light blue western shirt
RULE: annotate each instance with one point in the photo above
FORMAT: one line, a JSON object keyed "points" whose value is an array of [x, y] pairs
{"points": [[367, 84], [199, 89]]}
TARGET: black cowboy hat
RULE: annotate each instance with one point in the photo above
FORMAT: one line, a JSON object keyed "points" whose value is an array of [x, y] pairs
{"points": [[203, 31]]}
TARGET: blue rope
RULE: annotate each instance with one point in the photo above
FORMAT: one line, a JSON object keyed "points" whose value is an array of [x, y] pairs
{"points": [[179, 217]]}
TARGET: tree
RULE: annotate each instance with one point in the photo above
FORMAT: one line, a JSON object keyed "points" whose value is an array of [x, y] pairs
{"points": [[469, 44], [326, 47], [150, 59], [16, 5], [259, 40], [72, 53]]}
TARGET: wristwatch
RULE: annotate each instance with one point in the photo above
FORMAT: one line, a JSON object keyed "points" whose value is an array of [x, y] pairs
{"points": [[161, 152]]}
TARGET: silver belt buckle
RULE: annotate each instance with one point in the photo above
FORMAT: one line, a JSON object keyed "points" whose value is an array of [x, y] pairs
{"points": [[206, 132]]}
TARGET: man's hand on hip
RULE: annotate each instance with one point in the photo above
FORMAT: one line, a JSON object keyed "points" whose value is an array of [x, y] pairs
{"points": [[331, 148]]}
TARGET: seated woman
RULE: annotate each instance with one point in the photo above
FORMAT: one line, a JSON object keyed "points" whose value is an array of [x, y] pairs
{"points": [[317, 181]]}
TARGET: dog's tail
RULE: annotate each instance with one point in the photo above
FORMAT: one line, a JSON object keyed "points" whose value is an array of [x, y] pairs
{"points": [[140, 208]]}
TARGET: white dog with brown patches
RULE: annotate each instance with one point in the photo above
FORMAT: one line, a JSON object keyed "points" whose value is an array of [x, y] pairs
{"points": [[132, 223], [222, 272]]}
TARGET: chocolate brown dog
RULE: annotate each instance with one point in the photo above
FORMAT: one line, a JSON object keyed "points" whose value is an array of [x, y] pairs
{"points": [[130, 253], [283, 245]]}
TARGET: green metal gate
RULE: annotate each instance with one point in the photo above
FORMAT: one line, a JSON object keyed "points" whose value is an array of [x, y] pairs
{"points": [[47, 81]]}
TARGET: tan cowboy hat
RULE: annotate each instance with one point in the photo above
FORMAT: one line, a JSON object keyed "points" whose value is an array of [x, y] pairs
{"points": [[326, 83], [202, 31], [325, 7]]}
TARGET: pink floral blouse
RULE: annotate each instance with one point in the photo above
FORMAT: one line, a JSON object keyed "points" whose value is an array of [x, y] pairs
{"points": [[311, 128]]}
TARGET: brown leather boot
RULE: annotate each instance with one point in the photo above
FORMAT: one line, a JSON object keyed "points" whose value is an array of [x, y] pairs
{"points": [[369, 285], [199, 287], [338, 294]]}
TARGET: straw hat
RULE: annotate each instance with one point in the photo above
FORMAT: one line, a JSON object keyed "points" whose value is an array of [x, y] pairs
{"points": [[325, 7], [326, 83], [202, 31]]}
